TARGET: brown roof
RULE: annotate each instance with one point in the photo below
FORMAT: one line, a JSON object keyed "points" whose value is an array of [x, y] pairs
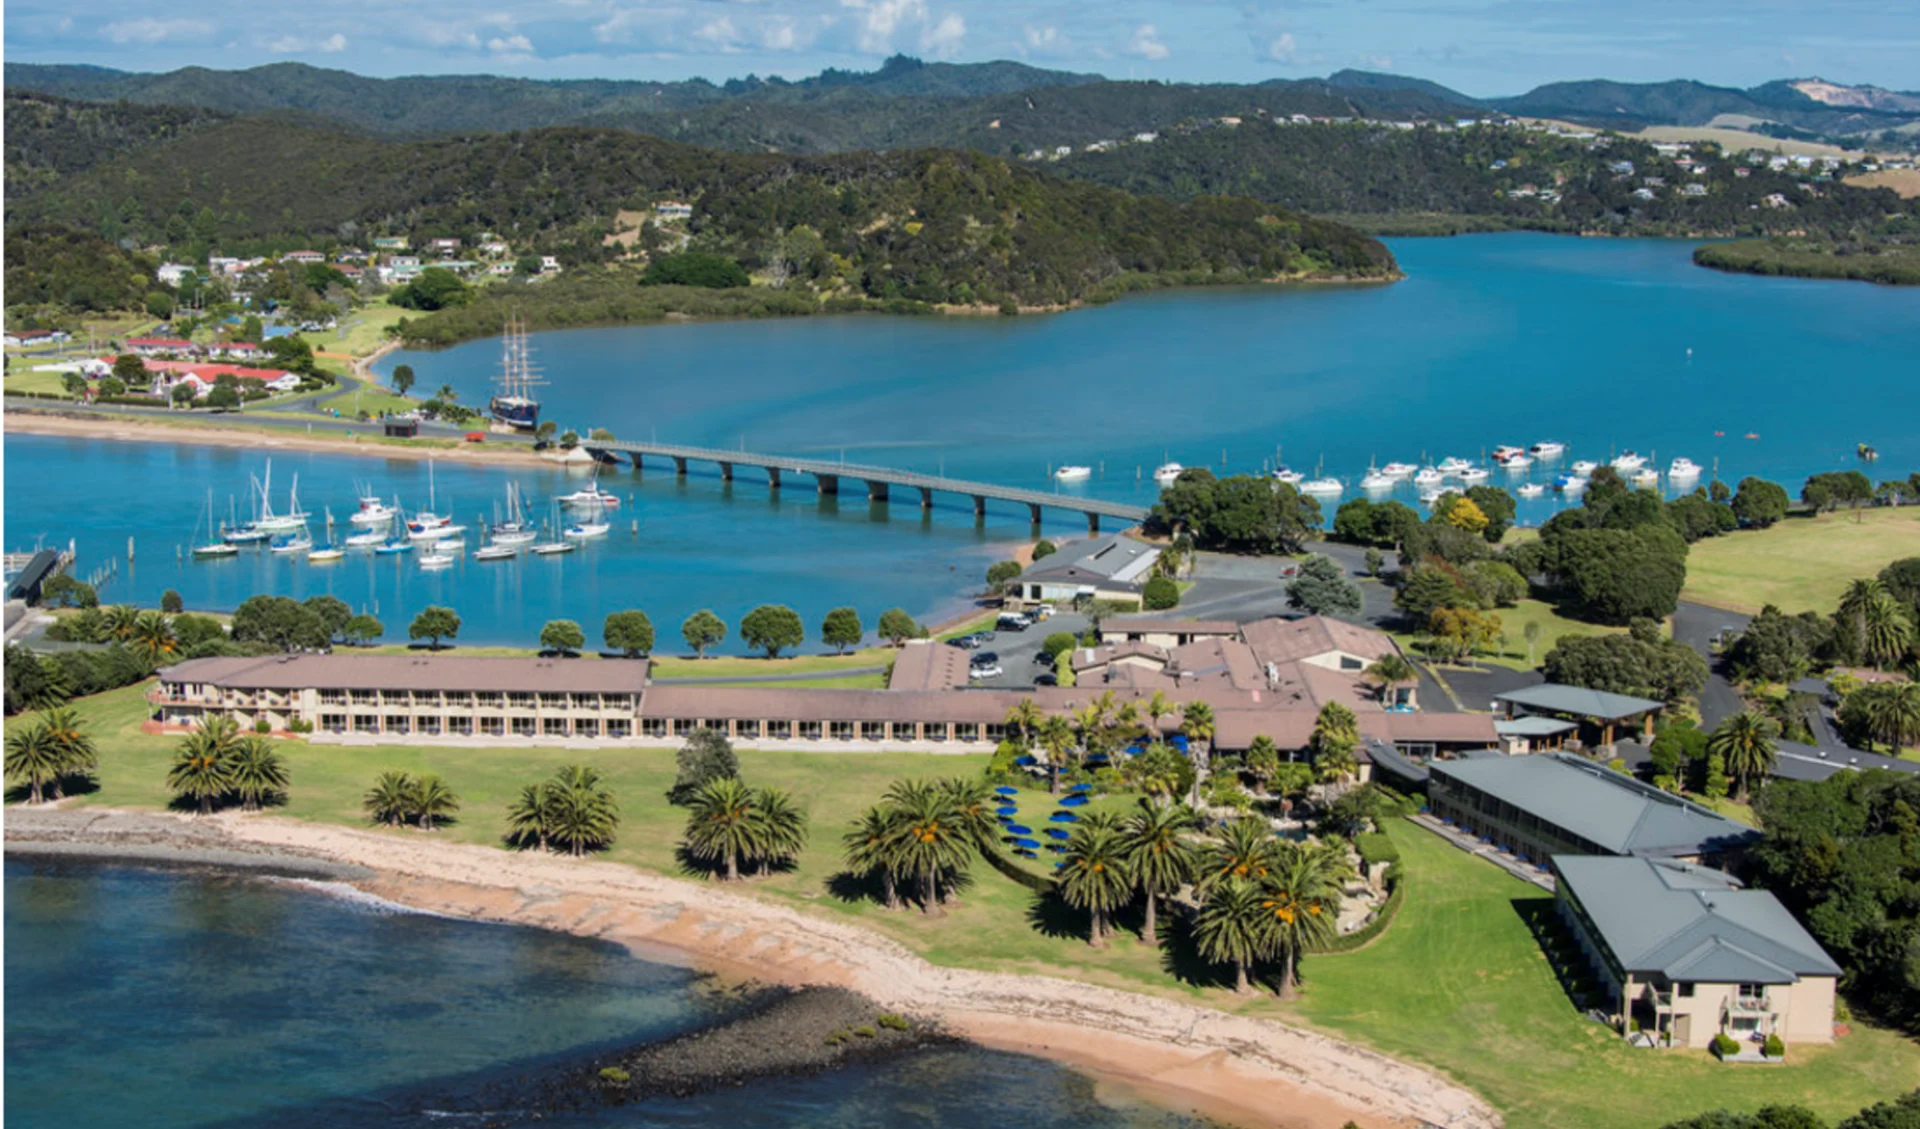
{"points": [[1283, 640], [926, 665], [1292, 728], [1162, 625], [1086, 658], [414, 672], [1230, 660], [1327, 685]]}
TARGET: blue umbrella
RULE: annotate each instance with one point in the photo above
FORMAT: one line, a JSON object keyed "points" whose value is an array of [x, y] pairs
{"points": [[1025, 844], [1025, 761], [1063, 817], [1018, 829], [1073, 802], [1006, 790], [1005, 809], [1004, 818], [1056, 833], [1082, 787], [1060, 864]]}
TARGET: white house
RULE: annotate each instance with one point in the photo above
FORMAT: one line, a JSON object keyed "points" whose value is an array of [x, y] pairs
{"points": [[549, 264], [287, 383], [170, 274], [673, 210]]}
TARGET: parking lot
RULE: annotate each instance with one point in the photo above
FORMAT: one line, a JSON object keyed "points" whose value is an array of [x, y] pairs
{"points": [[1016, 650]]}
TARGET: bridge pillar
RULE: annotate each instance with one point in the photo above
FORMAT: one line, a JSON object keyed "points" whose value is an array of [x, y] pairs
{"points": [[637, 465], [726, 472], [680, 465], [876, 491], [827, 483], [926, 497], [773, 477], [1035, 507], [1093, 523]]}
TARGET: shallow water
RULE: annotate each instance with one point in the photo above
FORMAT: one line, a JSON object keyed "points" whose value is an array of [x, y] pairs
{"points": [[171, 998]]}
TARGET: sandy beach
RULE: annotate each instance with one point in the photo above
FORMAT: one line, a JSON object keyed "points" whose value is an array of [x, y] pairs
{"points": [[1245, 1071], [265, 437]]}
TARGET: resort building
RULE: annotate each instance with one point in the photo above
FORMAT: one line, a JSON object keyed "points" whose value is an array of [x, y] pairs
{"points": [[1559, 804], [1106, 568], [1687, 954], [1311, 661], [1596, 716]]}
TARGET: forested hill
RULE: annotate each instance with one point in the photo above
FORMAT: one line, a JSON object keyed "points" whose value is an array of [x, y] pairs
{"points": [[932, 226]]}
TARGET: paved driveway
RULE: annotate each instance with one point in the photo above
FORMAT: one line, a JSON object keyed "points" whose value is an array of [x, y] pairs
{"points": [[1018, 648], [1696, 625]]}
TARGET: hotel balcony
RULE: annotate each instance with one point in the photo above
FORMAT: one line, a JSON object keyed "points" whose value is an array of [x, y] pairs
{"points": [[1750, 1005]]}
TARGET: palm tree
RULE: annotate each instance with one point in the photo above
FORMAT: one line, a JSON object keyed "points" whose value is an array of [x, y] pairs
{"points": [[1233, 927], [259, 773], [119, 621], [1892, 712], [530, 815], [1886, 632], [1056, 736], [446, 395], [1158, 855], [1157, 771], [872, 845], [1090, 724], [723, 824], [1851, 618], [1245, 850], [153, 637], [1197, 722], [78, 756], [580, 810], [432, 800], [1263, 759], [1156, 708], [1336, 734], [1389, 671], [1096, 877], [1301, 897], [1023, 718], [931, 835], [783, 826], [203, 766], [1744, 743], [34, 755], [973, 805], [390, 800]]}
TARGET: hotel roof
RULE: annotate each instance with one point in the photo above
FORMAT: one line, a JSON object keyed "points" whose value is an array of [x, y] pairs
{"points": [[1600, 704], [414, 672], [923, 664], [1288, 640]]}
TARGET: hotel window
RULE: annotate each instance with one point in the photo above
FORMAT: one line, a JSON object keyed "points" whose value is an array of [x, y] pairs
{"points": [[904, 731], [840, 730], [586, 728], [398, 723], [490, 701], [935, 730], [586, 701], [683, 726], [966, 731], [332, 698], [873, 730], [746, 730], [492, 726], [653, 726], [554, 701], [1684, 989], [779, 730], [810, 730], [616, 701], [523, 727], [364, 697], [430, 726], [366, 723], [333, 722], [460, 726], [619, 727], [717, 724], [996, 732], [520, 700], [554, 726]]}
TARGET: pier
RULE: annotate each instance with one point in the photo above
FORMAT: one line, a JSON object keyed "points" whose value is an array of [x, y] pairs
{"points": [[878, 481]]}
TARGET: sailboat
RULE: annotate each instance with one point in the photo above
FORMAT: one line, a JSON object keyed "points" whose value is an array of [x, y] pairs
{"points": [[555, 547], [328, 551], [424, 522], [513, 406], [592, 497], [294, 518], [515, 529], [213, 548]]}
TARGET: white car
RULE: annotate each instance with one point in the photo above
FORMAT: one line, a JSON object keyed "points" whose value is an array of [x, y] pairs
{"points": [[990, 670]]}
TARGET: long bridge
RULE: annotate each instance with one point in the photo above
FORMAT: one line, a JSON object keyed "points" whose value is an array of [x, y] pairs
{"points": [[879, 480]]}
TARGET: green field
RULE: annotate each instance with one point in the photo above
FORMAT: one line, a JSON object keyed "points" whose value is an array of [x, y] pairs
{"points": [[1460, 983], [1457, 982], [746, 666], [356, 395], [360, 332], [1802, 563], [25, 379], [1514, 622]]}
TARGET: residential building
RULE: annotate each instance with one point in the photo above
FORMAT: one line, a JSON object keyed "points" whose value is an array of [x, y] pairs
{"points": [[1686, 953], [18, 337], [390, 243], [1112, 567], [673, 210], [159, 346], [549, 264], [172, 274], [303, 257], [493, 248], [1537, 807], [444, 246]]}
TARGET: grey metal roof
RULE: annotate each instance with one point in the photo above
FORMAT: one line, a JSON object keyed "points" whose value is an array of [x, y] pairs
{"points": [[1690, 923], [1613, 811], [1533, 727], [1794, 761], [1112, 557], [1579, 700]]}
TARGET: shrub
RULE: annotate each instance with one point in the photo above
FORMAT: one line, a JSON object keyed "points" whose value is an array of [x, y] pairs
{"points": [[893, 1022], [614, 1076], [1044, 548], [1160, 594], [1774, 1047], [262, 725], [1057, 643], [865, 1032], [1724, 1046], [1375, 847]]}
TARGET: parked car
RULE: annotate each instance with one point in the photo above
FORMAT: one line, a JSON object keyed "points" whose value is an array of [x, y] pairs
{"points": [[985, 658], [986, 670], [1046, 678], [985, 635], [1041, 612], [1041, 658], [1013, 621], [965, 642]]}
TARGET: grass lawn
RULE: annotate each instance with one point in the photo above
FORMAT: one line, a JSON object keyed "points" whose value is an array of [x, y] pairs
{"points": [[1460, 983], [25, 379], [361, 332], [356, 395], [1514, 622], [746, 666], [1801, 563]]}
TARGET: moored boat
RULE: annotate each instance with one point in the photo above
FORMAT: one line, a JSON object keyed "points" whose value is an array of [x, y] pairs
{"points": [[435, 560], [1628, 460], [1570, 483], [552, 548], [1288, 475], [1646, 478], [1429, 476], [1322, 487], [1453, 465], [496, 552], [1683, 467], [1547, 449], [1473, 475], [1073, 473], [1167, 473], [366, 540], [325, 553], [1377, 480], [586, 529], [394, 547], [1584, 467], [1399, 470], [1531, 490]]}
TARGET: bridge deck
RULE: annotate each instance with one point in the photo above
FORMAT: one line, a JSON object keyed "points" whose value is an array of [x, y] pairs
{"points": [[874, 474]]}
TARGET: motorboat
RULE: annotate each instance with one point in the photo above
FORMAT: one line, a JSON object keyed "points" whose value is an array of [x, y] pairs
{"points": [[1516, 462], [435, 560], [1474, 474], [1431, 494], [1166, 473], [394, 547], [367, 540], [1530, 490], [371, 511], [1073, 473], [1570, 483], [1399, 470], [450, 545], [1645, 478], [590, 497], [1451, 465], [1865, 452], [1547, 449], [1322, 487], [1288, 475], [1585, 467], [514, 536], [587, 529], [1683, 467], [1378, 480], [1627, 460], [324, 554], [496, 552], [553, 548], [1429, 476], [1503, 453]]}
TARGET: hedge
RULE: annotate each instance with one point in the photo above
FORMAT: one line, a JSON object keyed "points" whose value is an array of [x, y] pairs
{"points": [[1375, 848], [1036, 882], [1396, 893]]}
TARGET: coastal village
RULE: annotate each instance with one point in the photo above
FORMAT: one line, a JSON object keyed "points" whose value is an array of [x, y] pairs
{"points": [[1529, 788]]}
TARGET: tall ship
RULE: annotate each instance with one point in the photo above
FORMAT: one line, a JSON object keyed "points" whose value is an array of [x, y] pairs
{"points": [[513, 405]]}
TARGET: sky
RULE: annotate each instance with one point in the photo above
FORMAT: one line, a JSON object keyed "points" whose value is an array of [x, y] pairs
{"points": [[1481, 47]]}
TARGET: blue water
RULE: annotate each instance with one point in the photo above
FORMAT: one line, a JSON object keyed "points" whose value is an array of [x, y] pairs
{"points": [[172, 999], [1490, 340]]}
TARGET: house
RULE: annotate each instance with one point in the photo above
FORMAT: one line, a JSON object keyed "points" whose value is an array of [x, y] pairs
{"points": [[1776, 200], [494, 248], [1621, 168], [236, 349], [549, 264], [500, 270], [1146, 137], [1557, 804], [159, 346], [1643, 194], [285, 382], [1596, 713], [165, 381], [20, 337], [673, 210], [171, 274], [1107, 568], [1162, 631], [304, 257], [1686, 953], [1742, 171], [1693, 190], [444, 246], [390, 243]]}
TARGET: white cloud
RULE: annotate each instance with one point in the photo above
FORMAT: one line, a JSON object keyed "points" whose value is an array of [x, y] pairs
{"points": [[1377, 62], [286, 45], [333, 43], [942, 40], [1282, 48], [510, 45], [880, 19], [146, 29], [1146, 43], [719, 33], [1041, 38], [779, 34]]}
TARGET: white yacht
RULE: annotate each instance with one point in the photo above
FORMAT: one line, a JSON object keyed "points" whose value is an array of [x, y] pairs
{"points": [[1502, 453], [367, 540], [435, 560], [295, 542], [371, 510], [1429, 476], [324, 554], [1474, 475], [1289, 476], [1645, 478], [1451, 465], [1570, 483], [590, 497], [1683, 467], [496, 552], [443, 529], [1073, 473], [1378, 480], [586, 529], [1531, 490], [1166, 473], [552, 548], [1627, 460], [1547, 449], [1516, 462], [1585, 467], [1431, 494], [1399, 470], [1322, 487]]}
